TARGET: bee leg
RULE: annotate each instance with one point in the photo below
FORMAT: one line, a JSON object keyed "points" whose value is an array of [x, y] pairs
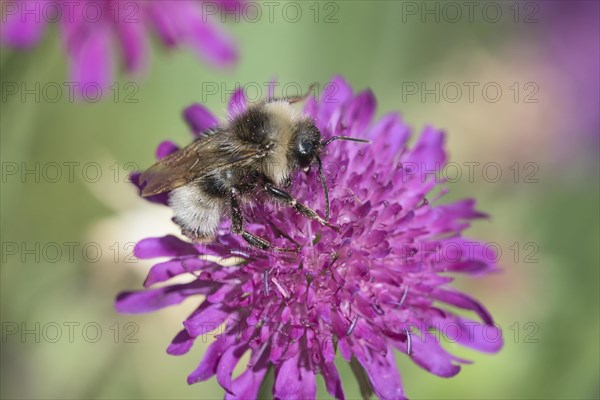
{"points": [[287, 199], [237, 226]]}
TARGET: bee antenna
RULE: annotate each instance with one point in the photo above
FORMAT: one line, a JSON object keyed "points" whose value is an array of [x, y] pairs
{"points": [[304, 96], [348, 138], [324, 184]]}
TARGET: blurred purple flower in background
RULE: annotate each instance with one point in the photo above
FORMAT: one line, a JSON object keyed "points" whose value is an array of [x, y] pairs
{"points": [[572, 42], [377, 285], [89, 29]]}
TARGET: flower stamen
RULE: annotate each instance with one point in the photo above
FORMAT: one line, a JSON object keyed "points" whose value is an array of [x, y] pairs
{"points": [[266, 282], [282, 290], [403, 297], [408, 342], [352, 326]]}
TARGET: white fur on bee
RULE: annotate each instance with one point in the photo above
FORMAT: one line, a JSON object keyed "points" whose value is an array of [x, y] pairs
{"points": [[285, 117], [195, 211]]}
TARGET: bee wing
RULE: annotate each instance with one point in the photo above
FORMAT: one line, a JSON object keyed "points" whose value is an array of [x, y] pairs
{"points": [[204, 156]]}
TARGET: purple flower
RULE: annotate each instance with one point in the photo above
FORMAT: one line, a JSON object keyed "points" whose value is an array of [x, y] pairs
{"points": [[378, 285], [574, 33], [88, 29]]}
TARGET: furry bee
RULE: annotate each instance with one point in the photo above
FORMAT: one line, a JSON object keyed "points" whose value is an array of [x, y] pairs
{"points": [[257, 150]]}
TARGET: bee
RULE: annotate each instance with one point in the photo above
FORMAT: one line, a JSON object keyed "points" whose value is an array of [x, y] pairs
{"points": [[256, 151]]}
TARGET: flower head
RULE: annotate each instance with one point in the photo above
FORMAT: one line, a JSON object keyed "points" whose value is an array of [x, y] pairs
{"points": [[90, 27], [375, 286]]}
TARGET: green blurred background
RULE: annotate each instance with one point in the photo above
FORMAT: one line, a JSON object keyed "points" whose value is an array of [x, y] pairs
{"points": [[545, 219]]}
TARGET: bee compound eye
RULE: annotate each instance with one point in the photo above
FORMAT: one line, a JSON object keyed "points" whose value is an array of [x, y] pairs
{"points": [[306, 147], [305, 152]]}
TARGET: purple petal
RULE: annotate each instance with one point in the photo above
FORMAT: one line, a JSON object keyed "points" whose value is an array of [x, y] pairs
{"points": [[429, 354], [165, 148], [162, 198], [472, 334], [311, 108], [166, 270], [229, 5], [327, 350], [293, 381], [133, 43], [212, 43], [360, 112], [199, 119], [463, 209], [205, 319], [428, 154], [208, 366], [20, 29], [164, 22], [90, 61], [374, 340], [237, 103], [335, 95], [227, 364], [154, 299], [166, 246], [271, 88], [247, 385], [389, 134], [452, 217], [383, 374], [332, 380], [183, 22], [345, 349], [465, 256], [461, 300], [181, 344], [224, 293]]}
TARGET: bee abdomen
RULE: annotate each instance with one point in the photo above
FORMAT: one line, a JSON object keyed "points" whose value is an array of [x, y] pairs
{"points": [[196, 211]]}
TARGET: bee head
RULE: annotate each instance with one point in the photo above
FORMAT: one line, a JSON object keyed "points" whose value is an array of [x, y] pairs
{"points": [[307, 147], [307, 143]]}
